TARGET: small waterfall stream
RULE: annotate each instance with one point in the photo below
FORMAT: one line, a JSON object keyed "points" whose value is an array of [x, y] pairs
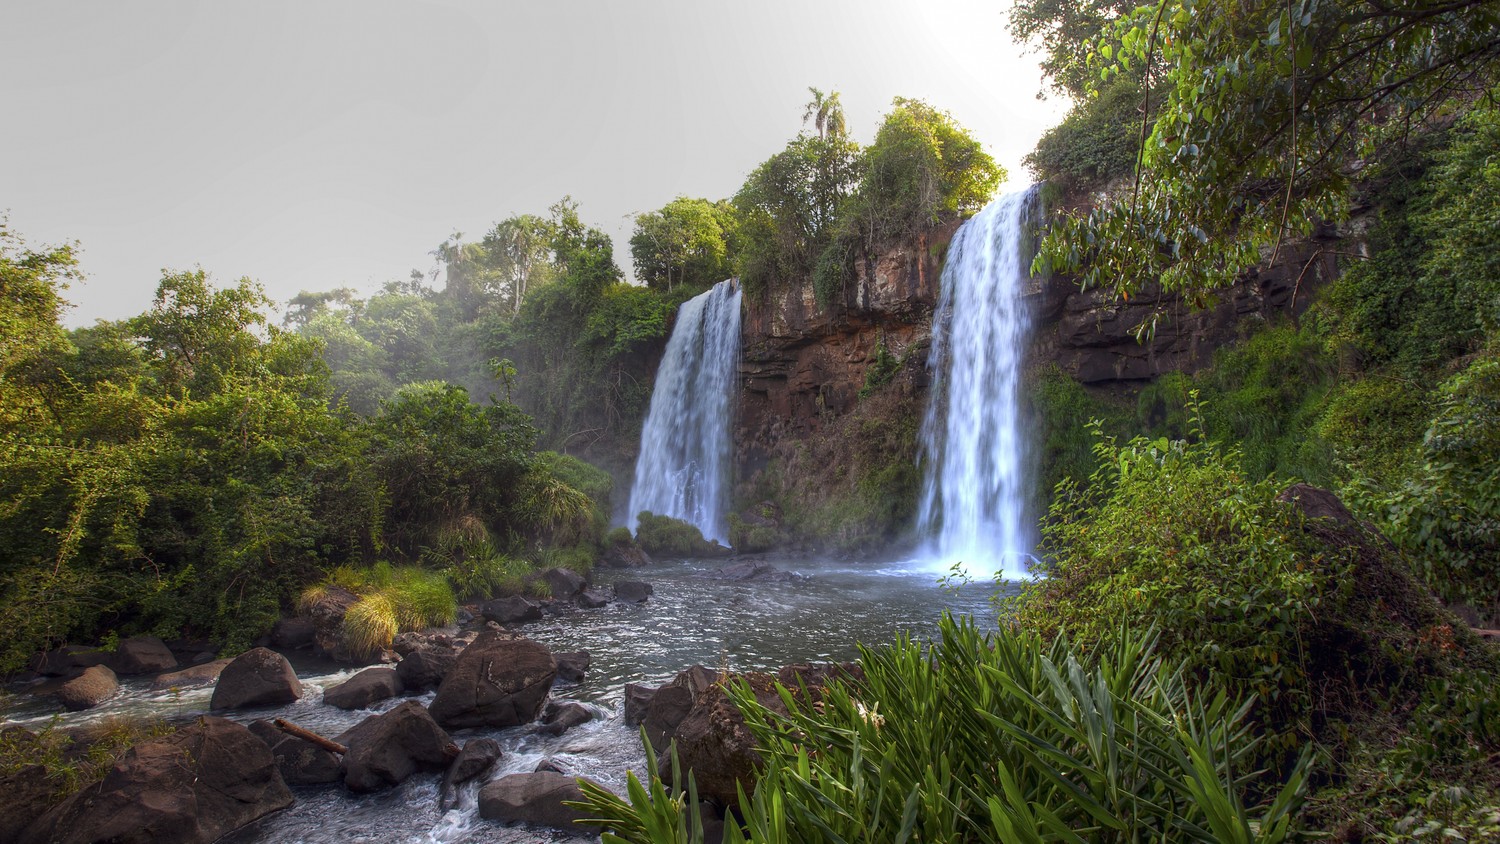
{"points": [[683, 467], [974, 495]]}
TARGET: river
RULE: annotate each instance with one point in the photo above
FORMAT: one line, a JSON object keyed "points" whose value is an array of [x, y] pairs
{"points": [[693, 618]]}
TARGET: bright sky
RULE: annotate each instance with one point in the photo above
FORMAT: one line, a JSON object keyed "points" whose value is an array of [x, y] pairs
{"points": [[312, 145]]}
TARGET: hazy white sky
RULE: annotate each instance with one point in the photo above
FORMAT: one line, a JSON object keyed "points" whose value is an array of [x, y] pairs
{"points": [[310, 145]]}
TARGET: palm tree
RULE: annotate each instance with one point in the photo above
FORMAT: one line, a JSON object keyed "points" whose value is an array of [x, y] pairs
{"points": [[826, 113]]}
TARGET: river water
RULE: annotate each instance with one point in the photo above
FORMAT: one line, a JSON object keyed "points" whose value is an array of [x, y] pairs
{"points": [[693, 618]]}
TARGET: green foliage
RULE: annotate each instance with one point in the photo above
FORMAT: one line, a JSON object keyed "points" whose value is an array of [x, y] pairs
{"points": [[1095, 144], [1037, 742], [880, 372], [75, 759], [667, 536], [1063, 409], [1264, 111], [1446, 510], [619, 536], [750, 537], [1174, 534], [687, 242]]}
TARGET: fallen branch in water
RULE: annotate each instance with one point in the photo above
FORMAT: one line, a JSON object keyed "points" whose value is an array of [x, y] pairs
{"points": [[309, 736]]}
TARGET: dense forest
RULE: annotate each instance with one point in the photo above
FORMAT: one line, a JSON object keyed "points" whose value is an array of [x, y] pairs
{"points": [[1214, 654]]}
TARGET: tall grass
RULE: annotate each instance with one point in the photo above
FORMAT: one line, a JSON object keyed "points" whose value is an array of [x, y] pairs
{"points": [[392, 599], [992, 738]]}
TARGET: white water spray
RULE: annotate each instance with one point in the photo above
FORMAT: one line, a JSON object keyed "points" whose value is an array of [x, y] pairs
{"points": [[683, 467], [974, 495]]}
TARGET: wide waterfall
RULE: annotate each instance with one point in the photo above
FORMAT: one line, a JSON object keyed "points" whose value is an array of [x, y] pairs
{"points": [[683, 467], [974, 496]]}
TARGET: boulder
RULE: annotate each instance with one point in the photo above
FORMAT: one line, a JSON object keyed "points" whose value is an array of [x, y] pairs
{"points": [[426, 668], [672, 702], [757, 572], [572, 665], [622, 556], [536, 798], [477, 757], [496, 682], [561, 717], [67, 660], [187, 678], [593, 599], [300, 762], [142, 655], [28, 795], [564, 583], [1317, 503], [327, 614], [549, 765], [294, 634], [712, 740], [89, 689], [257, 677], [371, 685], [637, 702], [195, 785], [633, 591], [511, 610], [387, 748]]}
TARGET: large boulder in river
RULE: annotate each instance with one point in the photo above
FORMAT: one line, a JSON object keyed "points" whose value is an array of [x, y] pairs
{"points": [[68, 659], [757, 572], [294, 633], [713, 741], [572, 665], [300, 761], [558, 718], [371, 685], [478, 757], [498, 681], [621, 555], [387, 748], [198, 675], [537, 799], [633, 591], [564, 583], [142, 655], [89, 689], [191, 787], [257, 677], [425, 668], [670, 704], [512, 609]]}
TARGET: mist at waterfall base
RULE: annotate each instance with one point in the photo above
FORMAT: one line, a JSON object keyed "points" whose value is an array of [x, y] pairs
{"points": [[683, 467], [973, 505]]}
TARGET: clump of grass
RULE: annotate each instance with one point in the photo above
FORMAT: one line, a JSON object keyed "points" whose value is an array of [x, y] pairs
{"points": [[392, 599], [76, 759]]}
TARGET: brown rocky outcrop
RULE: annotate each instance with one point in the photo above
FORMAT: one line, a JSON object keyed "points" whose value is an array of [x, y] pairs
{"points": [[300, 761], [89, 689], [800, 361], [368, 686], [537, 798], [498, 681], [196, 785], [198, 675], [257, 677], [142, 655], [387, 748]]}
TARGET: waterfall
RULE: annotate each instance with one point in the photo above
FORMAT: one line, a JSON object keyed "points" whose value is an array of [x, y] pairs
{"points": [[683, 467], [974, 492]]}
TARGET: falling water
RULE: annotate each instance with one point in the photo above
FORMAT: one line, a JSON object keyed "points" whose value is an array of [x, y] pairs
{"points": [[683, 468], [973, 505]]}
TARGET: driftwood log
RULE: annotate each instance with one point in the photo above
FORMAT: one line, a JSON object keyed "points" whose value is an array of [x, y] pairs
{"points": [[309, 736]]}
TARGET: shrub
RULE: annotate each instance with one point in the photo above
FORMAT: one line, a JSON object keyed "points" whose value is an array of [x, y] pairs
{"points": [[671, 537], [990, 738], [1174, 534]]}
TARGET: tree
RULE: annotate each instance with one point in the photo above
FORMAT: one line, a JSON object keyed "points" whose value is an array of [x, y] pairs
{"points": [[827, 114], [1269, 114], [198, 334], [516, 252], [686, 242]]}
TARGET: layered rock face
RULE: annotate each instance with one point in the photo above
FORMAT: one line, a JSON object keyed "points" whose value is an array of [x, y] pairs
{"points": [[803, 364], [800, 361]]}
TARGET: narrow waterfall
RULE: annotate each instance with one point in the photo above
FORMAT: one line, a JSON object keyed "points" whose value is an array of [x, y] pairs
{"points": [[683, 467], [974, 492]]}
